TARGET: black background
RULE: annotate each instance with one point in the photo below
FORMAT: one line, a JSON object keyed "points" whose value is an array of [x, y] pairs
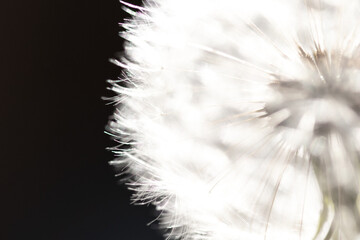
{"points": [[55, 179]]}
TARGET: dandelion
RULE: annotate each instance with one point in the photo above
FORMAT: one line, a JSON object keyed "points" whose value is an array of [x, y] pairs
{"points": [[240, 119]]}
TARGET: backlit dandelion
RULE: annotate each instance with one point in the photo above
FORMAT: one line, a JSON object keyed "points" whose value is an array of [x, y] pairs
{"points": [[240, 119]]}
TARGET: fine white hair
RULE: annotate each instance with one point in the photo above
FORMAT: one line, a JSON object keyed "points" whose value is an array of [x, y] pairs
{"points": [[239, 119]]}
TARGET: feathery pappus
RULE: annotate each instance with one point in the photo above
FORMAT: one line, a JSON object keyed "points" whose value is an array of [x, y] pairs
{"points": [[240, 119]]}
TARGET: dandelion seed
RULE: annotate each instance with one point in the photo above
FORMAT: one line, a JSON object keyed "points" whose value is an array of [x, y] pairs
{"points": [[240, 119]]}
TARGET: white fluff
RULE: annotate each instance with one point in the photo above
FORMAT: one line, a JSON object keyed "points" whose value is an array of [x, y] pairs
{"points": [[240, 118]]}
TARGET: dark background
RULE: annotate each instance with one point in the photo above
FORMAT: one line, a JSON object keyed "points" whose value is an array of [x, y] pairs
{"points": [[55, 179]]}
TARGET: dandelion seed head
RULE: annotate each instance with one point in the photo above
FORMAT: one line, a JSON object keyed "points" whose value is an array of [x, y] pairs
{"points": [[241, 118]]}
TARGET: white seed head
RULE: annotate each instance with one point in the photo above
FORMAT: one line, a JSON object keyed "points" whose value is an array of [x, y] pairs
{"points": [[239, 119]]}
